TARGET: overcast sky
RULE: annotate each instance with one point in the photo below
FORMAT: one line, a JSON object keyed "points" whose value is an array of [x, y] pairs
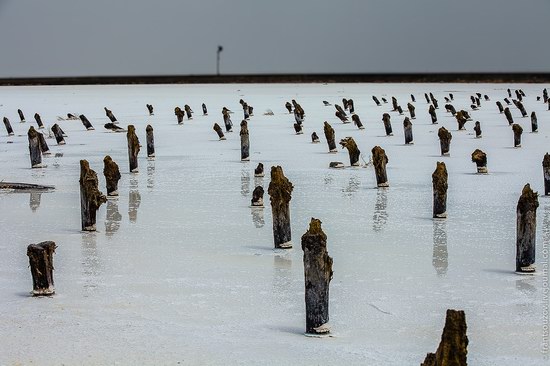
{"points": [[163, 37]]}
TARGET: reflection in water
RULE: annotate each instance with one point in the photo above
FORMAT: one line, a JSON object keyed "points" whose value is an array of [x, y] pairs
{"points": [[282, 280], [91, 263], [34, 200], [134, 200], [245, 182], [151, 174], [440, 255], [112, 221], [527, 285], [328, 179], [380, 216], [353, 186], [258, 217]]}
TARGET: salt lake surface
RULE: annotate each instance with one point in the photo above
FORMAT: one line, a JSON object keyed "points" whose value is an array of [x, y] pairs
{"points": [[182, 271]]}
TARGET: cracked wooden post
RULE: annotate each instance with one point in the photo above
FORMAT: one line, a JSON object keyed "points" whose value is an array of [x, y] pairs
{"points": [[110, 114], [453, 348], [259, 171], [86, 123], [331, 140], [41, 263], [280, 193], [450, 108], [379, 160], [90, 196], [34, 148], [43, 144], [445, 138], [461, 120], [521, 108], [298, 129], [227, 120], [188, 111], [526, 230], [21, 116], [439, 181], [534, 122], [508, 115], [376, 100], [38, 120], [546, 173], [518, 130], [179, 115], [394, 103], [204, 110], [245, 141], [219, 131], [351, 106], [7, 124], [58, 133], [387, 124], [353, 150], [480, 158], [357, 121], [500, 107], [407, 127], [477, 129], [133, 148], [317, 274], [150, 139], [150, 109], [288, 107], [112, 176], [412, 110], [257, 197], [315, 138], [432, 113]]}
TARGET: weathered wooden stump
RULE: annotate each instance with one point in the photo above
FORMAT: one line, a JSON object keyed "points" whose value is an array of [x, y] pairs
{"points": [[412, 110], [317, 274], [43, 144], [526, 230], [380, 160], [204, 110], [546, 173], [258, 197], [477, 129], [500, 107], [298, 129], [288, 107], [384, 100], [188, 111], [427, 98], [451, 96], [114, 128], [34, 148], [179, 115], [38, 120], [227, 120], [407, 127], [259, 171], [480, 158], [486, 97], [387, 124], [58, 133], [345, 103], [394, 103], [508, 115], [90, 196], [509, 92], [357, 121], [315, 138], [86, 123], [445, 138], [450, 108], [41, 263], [534, 122], [518, 130], [507, 101], [341, 116], [521, 108], [150, 109], [439, 181], [280, 193], [245, 141], [453, 348], [353, 150], [432, 113], [298, 116], [331, 140], [351, 106], [545, 96], [461, 120], [133, 148], [376, 100], [399, 109], [112, 176], [413, 98], [7, 124], [21, 116], [110, 114], [150, 139], [219, 131]]}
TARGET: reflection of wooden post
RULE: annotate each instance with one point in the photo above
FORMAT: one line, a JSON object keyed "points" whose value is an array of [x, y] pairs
{"points": [[317, 274], [258, 197], [245, 141], [453, 348], [86, 123], [90, 196], [41, 263], [329, 134], [133, 148], [58, 133], [353, 150], [518, 130], [379, 160], [150, 141], [407, 126], [387, 124], [526, 230], [8, 126], [534, 122], [280, 192], [477, 129], [445, 138], [34, 148], [546, 173], [219, 131], [439, 180], [480, 158], [112, 176]]}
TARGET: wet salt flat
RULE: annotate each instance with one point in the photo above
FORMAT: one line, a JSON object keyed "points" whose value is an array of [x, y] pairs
{"points": [[182, 270]]}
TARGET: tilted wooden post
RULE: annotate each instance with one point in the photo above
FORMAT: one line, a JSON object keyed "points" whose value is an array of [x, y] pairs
{"points": [[351, 106], [90, 196], [453, 348], [188, 111], [461, 120], [440, 185], [133, 148], [357, 121], [227, 120], [315, 138], [258, 197], [521, 108], [407, 127], [526, 230], [387, 124], [219, 131], [34, 148], [480, 158], [204, 110], [86, 123], [259, 171], [179, 115], [376, 100], [546, 173], [245, 141], [298, 129], [38, 120], [280, 193], [445, 138], [534, 122], [110, 114], [150, 139], [518, 130], [500, 107], [58, 133], [21, 116], [432, 113], [43, 144], [353, 150], [112, 176], [394, 103], [288, 107], [7, 123], [150, 109], [41, 263], [317, 274], [412, 110], [477, 129], [331, 139], [379, 160], [508, 115]]}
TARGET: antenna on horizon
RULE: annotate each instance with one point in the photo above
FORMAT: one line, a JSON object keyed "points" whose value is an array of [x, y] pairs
{"points": [[220, 49]]}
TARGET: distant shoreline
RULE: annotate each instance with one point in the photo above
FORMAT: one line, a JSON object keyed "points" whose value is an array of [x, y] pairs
{"points": [[286, 78]]}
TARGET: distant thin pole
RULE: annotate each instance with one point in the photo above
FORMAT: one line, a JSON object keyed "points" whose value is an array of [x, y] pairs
{"points": [[220, 49]]}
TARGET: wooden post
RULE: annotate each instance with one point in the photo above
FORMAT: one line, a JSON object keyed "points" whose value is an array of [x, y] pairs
{"points": [[179, 115], [518, 130], [245, 141], [453, 348], [412, 98], [526, 230], [86, 123], [110, 114], [112, 176], [90, 196], [480, 158], [399, 109], [288, 107], [439, 180], [38, 120], [521, 108], [246, 115], [219, 131], [21, 116], [506, 101], [432, 113], [500, 107], [133, 148], [450, 108], [280, 192], [427, 98], [376, 100], [353, 151], [8, 126], [331, 139], [227, 120], [394, 103], [387, 124], [315, 138], [43, 144], [258, 197], [150, 142], [34, 148], [445, 138], [351, 106], [317, 275], [41, 263], [58, 133], [477, 129], [508, 115], [407, 126], [298, 129], [150, 109], [357, 121], [534, 122], [188, 111], [546, 173], [412, 110], [461, 120], [204, 110], [379, 160], [259, 171]]}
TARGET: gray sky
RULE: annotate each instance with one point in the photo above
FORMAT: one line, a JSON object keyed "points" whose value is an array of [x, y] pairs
{"points": [[156, 37]]}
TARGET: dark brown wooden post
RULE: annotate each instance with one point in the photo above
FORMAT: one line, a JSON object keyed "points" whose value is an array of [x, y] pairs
{"points": [[110, 114], [380, 160], [353, 150], [376, 100], [331, 139], [258, 197], [461, 120], [521, 108], [500, 107], [518, 130], [315, 138], [351, 106], [526, 230], [150, 109], [445, 138], [41, 263], [227, 120], [112, 176], [412, 110], [179, 115], [150, 142], [259, 171], [453, 348], [534, 122], [298, 129], [188, 111], [357, 121], [133, 148], [204, 110], [38, 120], [342, 116], [427, 98], [480, 158], [219, 131], [546, 173], [288, 107], [407, 127], [21, 116], [317, 275], [280, 193], [34, 148], [58, 133], [43, 144], [8, 126], [477, 129], [439, 180], [245, 141], [90, 196], [508, 115], [387, 124], [394, 103], [86, 123]]}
